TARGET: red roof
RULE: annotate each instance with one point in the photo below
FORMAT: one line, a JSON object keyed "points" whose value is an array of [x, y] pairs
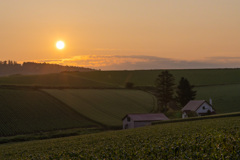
{"points": [[193, 105], [147, 117]]}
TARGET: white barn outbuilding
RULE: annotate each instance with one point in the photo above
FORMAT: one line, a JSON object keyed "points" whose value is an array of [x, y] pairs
{"points": [[140, 120], [200, 107]]}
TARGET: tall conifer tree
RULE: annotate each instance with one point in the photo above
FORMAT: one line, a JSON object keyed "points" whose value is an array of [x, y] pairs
{"points": [[185, 92], [165, 89]]}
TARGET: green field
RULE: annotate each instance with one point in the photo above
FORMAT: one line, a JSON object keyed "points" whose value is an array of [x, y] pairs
{"points": [[197, 77], [210, 83], [205, 139], [106, 106], [53, 80], [225, 97], [28, 111]]}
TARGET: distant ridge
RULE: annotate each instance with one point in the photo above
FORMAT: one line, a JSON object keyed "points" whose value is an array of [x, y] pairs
{"points": [[12, 67]]}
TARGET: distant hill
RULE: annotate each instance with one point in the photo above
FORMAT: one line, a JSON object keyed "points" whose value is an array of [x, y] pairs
{"points": [[12, 67]]}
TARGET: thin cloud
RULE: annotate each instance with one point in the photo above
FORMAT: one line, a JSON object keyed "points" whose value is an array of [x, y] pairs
{"points": [[117, 62]]}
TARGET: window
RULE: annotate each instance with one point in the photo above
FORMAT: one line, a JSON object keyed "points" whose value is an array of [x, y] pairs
{"points": [[203, 107], [128, 119]]}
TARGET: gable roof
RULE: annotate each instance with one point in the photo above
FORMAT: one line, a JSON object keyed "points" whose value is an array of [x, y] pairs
{"points": [[193, 105], [147, 117]]}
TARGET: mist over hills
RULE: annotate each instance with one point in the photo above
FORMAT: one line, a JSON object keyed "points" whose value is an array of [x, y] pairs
{"points": [[12, 67]]}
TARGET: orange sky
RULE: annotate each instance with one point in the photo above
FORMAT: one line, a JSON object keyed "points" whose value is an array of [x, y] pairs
{"points": [[179, 30]]}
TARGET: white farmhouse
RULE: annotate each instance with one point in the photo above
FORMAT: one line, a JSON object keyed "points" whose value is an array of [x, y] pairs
{"points": [[140, 120], [200, 107]]}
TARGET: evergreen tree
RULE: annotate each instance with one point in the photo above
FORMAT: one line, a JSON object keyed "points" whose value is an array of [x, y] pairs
{"points": [[185, 92], [165, 89]]}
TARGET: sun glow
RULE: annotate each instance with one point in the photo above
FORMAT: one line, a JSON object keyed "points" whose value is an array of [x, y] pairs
{"points": [[60, 44]]}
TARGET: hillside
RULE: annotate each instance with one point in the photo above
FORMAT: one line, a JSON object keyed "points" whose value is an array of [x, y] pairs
{"points": [[54, 80], [210, 83], [197, 77], [12, 67], [24, 111], [106, 106], [205, 139], [29, 111]]}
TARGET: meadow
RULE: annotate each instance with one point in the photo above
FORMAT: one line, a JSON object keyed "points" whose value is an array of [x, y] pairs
{"points": [[105, 106], [204, 139]]}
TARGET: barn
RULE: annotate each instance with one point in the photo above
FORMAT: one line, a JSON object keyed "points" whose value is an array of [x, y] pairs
{"points": [[200, 107], [140, 120]]}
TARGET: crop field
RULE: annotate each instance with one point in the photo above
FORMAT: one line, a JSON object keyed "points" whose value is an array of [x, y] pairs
{"points": [[53, 80], [28, 111], [225, 97], [197, 77], [106, 106], [205, 139]]}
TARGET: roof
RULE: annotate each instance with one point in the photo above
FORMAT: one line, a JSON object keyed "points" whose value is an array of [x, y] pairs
{"points": [[194, 105], [147, 117]]}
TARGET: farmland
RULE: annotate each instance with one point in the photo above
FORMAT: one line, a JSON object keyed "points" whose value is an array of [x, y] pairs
{"points": [[205, 139], [225, 97], [106, 106], [197, 77], [53, 80], [24, 111], [28, 111], [84, 99]]}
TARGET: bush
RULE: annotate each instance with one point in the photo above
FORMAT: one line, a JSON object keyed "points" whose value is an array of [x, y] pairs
{"points": [[129, 85]]}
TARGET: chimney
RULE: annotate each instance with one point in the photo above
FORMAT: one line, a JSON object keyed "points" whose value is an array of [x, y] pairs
{"points": [[210, 101]]}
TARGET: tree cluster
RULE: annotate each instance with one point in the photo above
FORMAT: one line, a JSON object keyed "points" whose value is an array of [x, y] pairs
{"points": [[12, 67], [165, 85]]}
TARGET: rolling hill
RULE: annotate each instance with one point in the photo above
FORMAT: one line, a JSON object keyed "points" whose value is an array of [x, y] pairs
{"points": [[106, 106], [29, 111]]}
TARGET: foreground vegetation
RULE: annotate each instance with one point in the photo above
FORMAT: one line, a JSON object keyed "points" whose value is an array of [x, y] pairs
{"points": [[205, 139], [106, 106]]}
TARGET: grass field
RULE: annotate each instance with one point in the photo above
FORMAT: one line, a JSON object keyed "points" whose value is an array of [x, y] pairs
{"points": [[147, 77], [53, 80], [197, 77], [205, 139], [225, 97], [106, 106], [28, 111]]}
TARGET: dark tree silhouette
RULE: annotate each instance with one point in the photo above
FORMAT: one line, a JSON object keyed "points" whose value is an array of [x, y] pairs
{"points": [[185, 92], [165, 90]]}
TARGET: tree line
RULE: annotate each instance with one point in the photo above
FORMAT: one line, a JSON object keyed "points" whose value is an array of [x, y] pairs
{"points": [[167, 92], [12, 67]]}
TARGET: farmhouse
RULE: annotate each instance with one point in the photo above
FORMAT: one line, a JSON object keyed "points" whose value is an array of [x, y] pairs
{"points": [[140, 120], [200, 107]]}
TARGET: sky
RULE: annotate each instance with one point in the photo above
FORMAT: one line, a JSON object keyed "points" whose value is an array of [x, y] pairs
{"points": [[126, 34]]}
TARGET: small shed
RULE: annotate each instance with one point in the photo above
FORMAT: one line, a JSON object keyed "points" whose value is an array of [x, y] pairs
{"points": [[140, 120], [200, 107]]}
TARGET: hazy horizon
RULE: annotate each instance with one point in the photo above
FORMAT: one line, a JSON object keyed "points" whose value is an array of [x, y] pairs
{"points": [[122, 35]]}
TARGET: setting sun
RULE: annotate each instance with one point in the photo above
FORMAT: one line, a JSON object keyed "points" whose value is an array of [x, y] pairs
{"points": [[60, 44]]}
